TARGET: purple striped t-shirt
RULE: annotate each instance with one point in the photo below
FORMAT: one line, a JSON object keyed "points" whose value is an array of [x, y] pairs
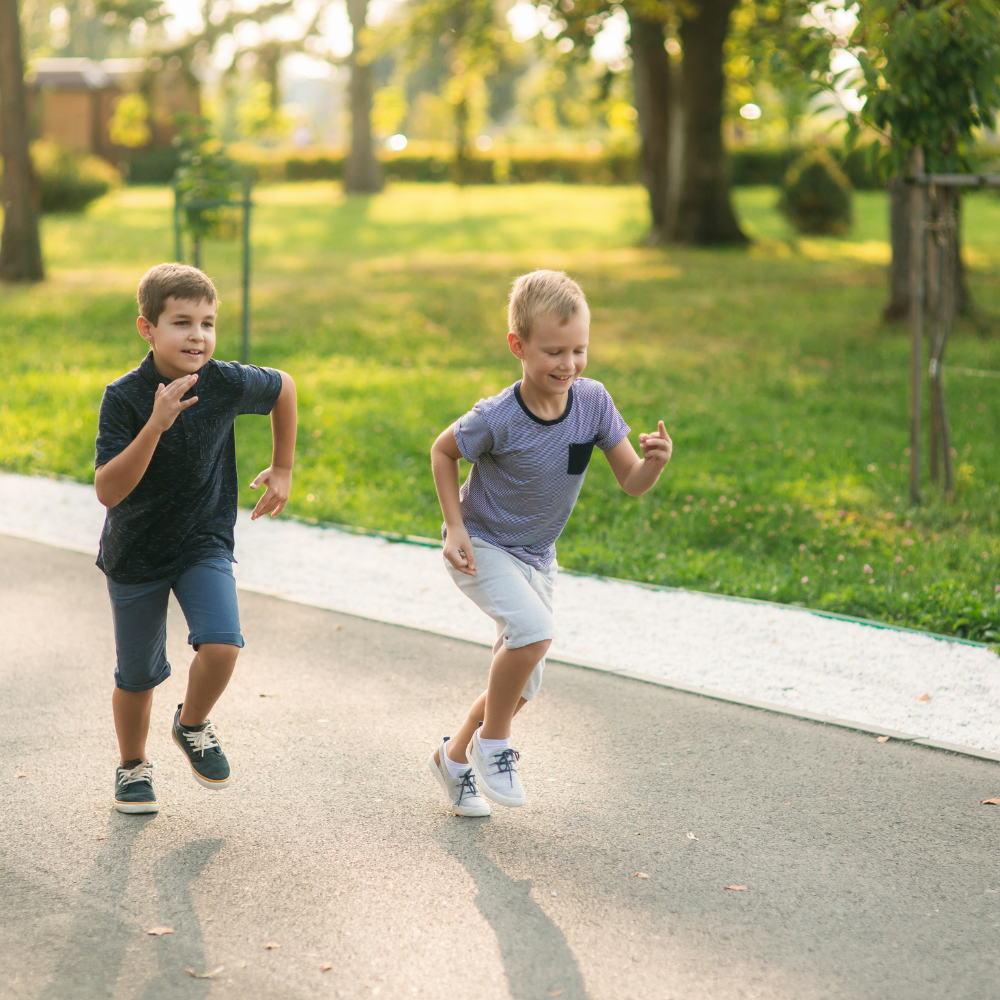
{"points": [[527, 472]]}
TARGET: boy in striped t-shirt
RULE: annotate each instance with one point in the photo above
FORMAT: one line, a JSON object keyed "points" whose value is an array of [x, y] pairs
{"points": [[529, 447]]}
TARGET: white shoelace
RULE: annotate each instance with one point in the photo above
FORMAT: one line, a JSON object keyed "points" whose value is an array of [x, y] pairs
{"points": [[141, 772], [202, 739]]}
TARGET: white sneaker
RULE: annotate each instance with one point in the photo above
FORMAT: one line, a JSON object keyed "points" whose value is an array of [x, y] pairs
{"points": [[463, 796], [497, 774]]}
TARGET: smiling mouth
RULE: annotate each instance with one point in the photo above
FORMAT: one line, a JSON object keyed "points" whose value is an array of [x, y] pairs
{"points": [[562, 378], [192, 353]]}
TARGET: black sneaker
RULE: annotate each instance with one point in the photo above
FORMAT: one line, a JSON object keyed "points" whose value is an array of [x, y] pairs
{"points": [[201, 747], [134, 788]]}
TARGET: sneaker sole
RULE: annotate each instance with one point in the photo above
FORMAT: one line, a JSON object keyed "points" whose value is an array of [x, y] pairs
{"points": [[494, 796], [137, 807], [455, 810], [204, 782]]}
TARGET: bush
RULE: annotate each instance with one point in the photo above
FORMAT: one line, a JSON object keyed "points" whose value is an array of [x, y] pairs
{"points": [[816, 196], [153, 166], [67, 181]]}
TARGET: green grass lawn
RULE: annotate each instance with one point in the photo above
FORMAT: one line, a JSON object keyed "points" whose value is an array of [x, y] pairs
{"points": [[786, 398]]}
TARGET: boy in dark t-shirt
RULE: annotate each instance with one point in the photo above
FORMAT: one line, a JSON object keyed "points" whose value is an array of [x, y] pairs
{"points": [[166, 471], [529, 447]]}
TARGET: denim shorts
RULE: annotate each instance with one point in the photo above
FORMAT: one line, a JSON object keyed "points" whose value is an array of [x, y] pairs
{"points": [[206, 593], [518, 597]]}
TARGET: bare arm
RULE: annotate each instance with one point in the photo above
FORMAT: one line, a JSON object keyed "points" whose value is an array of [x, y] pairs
{"points": [[638, 475], [278, 475], [116, 479], [444, 464]]}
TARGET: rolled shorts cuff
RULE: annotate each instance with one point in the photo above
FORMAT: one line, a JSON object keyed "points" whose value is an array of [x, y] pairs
{"points": [[223, 638], [148, 686], [527, 640]]}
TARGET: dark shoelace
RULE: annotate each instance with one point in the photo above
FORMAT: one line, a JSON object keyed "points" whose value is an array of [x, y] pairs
{"points": [[503, 761], [468, 785]]}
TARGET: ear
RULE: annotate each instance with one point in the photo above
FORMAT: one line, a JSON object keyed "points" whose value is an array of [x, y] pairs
{"points": [[145, 329], [515, 344]]}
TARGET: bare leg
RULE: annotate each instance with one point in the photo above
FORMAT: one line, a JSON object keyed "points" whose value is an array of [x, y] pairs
{"points": [[211, 669], [131, 711], [458, 745], [509, 673]]}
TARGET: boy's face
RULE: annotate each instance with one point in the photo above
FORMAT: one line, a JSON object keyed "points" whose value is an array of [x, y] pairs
{"points": [[183, 338], [555, 353]]}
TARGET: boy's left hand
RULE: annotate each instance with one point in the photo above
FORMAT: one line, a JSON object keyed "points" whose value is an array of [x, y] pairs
{"points": [[279, 486], [656, 448]]}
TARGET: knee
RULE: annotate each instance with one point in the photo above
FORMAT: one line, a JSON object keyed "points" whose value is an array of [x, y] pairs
{"points": [[218, 654]]}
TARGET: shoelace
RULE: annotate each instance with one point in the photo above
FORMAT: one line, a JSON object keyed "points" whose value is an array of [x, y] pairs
{"points": [[503, 761], [467, 786], [141, 772], [202, 739]]}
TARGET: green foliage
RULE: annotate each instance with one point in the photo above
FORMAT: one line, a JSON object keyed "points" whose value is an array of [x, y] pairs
{"points": [[129, 125], [782, 392], [931, 75], [205, 173], [816, 196], [862, 165], [69, 182]]}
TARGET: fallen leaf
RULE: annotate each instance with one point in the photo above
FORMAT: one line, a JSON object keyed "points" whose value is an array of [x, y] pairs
{"points": [[20, 774], [641, 875], [882, 739], [736, 888], [989, 802], [335, 627], [691, 836], [272, 944], [205, 975], [925, 696], [326, 967], [556, 993], [158, 931], [207, 919], [102, 838]]}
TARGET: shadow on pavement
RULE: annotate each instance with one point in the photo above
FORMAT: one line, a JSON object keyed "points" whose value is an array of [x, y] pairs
{"points": [[100, 933], [535, 955], [185, 948]]}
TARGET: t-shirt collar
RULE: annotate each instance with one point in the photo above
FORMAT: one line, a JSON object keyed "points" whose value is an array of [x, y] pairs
{"points": [[538, 420], [148, 370]]}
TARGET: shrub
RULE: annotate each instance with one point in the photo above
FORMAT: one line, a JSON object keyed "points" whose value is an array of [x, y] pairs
{"points": [[153, 166], [67, 181], [816, 196]]}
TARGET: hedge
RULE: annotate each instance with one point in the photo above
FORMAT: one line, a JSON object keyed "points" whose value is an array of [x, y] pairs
{"points": [[523, 163]]}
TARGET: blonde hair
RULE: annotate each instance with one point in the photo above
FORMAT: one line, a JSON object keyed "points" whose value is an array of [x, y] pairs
{"points": [[539, 293], [179, 281]]}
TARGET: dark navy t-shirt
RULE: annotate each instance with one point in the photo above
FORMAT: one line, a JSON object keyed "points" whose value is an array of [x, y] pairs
{"points": [[184, 507]]}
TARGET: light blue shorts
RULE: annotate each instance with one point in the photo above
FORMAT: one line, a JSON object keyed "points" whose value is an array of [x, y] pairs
{"points": [[206, 593], [518, 597]]}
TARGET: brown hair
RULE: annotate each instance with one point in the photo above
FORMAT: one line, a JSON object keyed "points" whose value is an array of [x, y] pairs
{"points": [[542, 292], [179, 281]]}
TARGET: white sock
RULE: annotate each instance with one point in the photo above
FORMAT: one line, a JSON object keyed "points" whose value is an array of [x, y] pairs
{"points": [[453, 767], [492, 746]]}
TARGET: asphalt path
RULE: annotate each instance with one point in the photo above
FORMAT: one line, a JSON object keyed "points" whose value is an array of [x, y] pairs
{"points": [[871, 870]]}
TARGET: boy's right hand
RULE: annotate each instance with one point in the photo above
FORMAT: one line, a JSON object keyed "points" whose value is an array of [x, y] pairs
{"points": [[458, 551], [167, 405]]}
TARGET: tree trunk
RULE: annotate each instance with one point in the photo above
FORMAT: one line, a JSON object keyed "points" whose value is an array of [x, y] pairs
{"points": [[362, 172], [705, 214], [460, 167], [898, 306], [20, 248], [651, 71]]}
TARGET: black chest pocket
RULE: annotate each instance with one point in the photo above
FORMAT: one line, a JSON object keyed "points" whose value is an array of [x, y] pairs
{"points": [[579, 457], [205, 434]]}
